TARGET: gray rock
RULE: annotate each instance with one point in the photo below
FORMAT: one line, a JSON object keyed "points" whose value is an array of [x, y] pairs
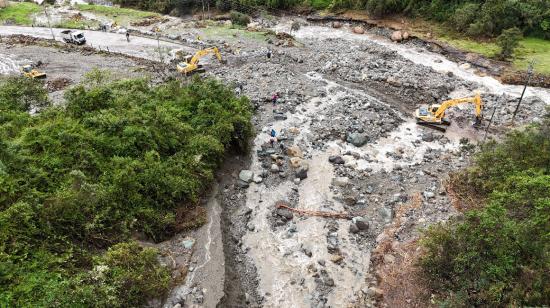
{"points": [[257, 179], [353, 228], [336, 159], [242, 184], [386, 213], [356, 139], [329, 282], [280, 116], [301, 172], [246, 176], [274, 168], [360, 223], [285, 213], [307, 252], [341, 181], [428, 137], [429, 195]]}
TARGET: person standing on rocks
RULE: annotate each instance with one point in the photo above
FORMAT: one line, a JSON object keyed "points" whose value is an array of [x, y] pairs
{"points": [[274, 98], [128, 36], [268, 53]]}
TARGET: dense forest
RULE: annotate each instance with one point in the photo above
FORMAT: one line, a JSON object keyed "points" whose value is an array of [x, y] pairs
{"points": [[119, 159], [498, 254], [485, 18]]}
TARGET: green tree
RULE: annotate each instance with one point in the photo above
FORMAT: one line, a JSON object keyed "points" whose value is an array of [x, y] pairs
{"points": [[508, 41]]}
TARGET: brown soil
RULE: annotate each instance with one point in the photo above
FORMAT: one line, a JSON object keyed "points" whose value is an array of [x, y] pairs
{"points": [[394, 265]]}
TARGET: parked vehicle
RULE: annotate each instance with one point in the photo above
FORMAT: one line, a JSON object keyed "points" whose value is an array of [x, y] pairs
{"points": [[74, 37]]}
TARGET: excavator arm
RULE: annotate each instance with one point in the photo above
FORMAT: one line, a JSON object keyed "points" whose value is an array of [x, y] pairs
{"points": [[201, 53], [440, 112]]}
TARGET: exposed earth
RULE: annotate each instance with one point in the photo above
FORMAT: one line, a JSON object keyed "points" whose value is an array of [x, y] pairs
{"points": [[346, 143]]}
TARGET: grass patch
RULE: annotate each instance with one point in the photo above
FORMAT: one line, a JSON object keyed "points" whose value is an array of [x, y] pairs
{"points": [[233, 33], [77, 24], [530, 48], [488, 49], [533, 49], [120, 15], [19, 13]]}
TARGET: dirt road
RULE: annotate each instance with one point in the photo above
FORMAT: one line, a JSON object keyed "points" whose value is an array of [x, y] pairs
{"points": [[142, 47]]}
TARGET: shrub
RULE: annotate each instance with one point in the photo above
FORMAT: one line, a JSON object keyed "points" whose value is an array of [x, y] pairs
{"points": [[508, 41], [121, 157], [465, 16], [240, 19], [133, 272], [498, 254]]}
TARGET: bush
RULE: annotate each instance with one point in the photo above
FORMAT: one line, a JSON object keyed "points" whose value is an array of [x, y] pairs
{"points": [[133, 272], [508, 41], [465, 16], [240, 19], [121, 157], [498, 254]]}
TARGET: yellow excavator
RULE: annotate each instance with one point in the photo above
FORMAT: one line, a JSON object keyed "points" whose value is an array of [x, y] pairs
{"points": [[29, 71], [433, 116], [191, 63]]}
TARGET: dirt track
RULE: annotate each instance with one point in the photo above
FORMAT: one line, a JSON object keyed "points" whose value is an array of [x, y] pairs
{"points": [[138, 46]]}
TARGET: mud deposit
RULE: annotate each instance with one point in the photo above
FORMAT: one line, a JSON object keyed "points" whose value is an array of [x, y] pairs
{"points": [[346, 142]]}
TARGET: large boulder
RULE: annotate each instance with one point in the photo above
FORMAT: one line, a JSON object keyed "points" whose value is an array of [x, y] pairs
{"points": [[295, 162], [301, 172], [336, 24], [397, 36], [358, 30], [356, 139], [295, 151], [336, 159], [246, 176], [360, 223], [284, 213], [341, 181]]}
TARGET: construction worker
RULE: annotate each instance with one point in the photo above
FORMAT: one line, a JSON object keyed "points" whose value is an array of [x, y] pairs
{"points": [[274, 98]]}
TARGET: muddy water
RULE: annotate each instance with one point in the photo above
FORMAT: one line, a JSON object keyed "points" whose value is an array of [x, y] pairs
{"points": [[283, 268], [9, 64], [206, 270], [419, 56]]}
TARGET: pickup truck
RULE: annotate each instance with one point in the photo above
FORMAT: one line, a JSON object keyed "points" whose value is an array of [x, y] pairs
{"points": [[71, 36]]}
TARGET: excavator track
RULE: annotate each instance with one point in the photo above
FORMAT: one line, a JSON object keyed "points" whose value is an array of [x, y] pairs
{"points": [[440, 127]]}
